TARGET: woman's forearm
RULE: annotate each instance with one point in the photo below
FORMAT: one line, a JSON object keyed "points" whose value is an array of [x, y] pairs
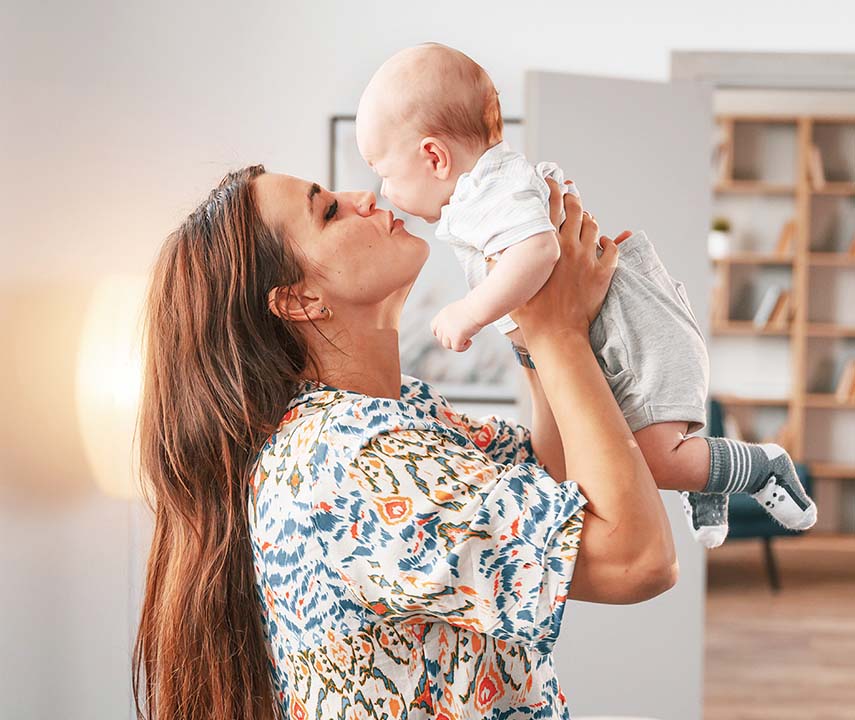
{"points": [[600, 453], [545, 438]]}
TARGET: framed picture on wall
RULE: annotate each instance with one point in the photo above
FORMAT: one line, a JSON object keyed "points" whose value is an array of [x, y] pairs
{"points": [[486, 372]]}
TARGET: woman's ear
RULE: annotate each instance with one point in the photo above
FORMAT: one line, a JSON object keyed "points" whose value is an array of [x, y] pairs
{"points": [[293, 303], [437, 153]]}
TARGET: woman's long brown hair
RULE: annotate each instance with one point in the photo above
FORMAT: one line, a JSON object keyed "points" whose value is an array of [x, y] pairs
{"points": [[219, 370]]}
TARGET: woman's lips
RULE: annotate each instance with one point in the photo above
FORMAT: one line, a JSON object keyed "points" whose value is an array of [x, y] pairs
{"points": [[397, 223]]}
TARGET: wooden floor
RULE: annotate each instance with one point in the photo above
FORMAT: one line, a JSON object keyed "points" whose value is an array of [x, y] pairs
{"points": [[783, 656]]}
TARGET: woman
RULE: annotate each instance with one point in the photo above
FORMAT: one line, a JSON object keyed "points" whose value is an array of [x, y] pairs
{"points": [[334, 541]]}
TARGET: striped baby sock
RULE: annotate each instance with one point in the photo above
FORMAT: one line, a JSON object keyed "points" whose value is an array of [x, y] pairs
{"points": [[767, 473]]}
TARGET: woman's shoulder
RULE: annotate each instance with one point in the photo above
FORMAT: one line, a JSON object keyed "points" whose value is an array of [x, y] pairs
{"points": [[324, 421], [421, 408]]}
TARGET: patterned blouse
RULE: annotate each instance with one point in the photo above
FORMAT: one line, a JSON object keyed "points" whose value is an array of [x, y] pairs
{"points": [[410, 562]]}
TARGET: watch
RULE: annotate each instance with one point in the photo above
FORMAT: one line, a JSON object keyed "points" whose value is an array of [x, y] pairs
{"points": [[523, 356]]}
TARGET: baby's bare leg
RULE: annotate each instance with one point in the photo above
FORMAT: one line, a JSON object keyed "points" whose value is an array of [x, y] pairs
{"points": [[675, 461], [680, 463]]}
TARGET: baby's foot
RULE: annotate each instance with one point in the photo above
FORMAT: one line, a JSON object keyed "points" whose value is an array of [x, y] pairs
{"points": [[707, 517], [782, 494]]}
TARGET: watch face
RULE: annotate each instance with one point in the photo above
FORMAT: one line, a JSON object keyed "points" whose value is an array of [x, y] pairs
{"points": [[523, 357]]}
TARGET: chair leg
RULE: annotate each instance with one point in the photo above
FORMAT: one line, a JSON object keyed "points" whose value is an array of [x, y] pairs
{"points": [[771, 565]]}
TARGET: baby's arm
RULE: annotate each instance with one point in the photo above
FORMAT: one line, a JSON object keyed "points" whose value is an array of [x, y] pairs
{"points": [[521, 271]]}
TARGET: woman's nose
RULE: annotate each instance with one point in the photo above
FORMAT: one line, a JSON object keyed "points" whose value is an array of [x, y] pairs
{"points": [[364, 202]]}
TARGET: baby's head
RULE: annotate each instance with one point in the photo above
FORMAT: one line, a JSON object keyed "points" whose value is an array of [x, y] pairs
{"points": [[425, 118]]}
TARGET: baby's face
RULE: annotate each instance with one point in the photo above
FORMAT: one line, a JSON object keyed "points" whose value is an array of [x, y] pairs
{"points": [[406, 171]]}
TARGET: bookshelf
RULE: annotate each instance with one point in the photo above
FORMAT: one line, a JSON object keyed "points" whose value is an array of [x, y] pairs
{"points": [[786, 183]]}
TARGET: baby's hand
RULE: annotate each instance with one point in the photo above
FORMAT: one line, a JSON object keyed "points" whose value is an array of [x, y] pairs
{"points": [[454, 327]]}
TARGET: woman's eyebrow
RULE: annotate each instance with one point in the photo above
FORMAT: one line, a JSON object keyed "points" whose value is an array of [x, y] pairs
{"points": [[314, 189]]}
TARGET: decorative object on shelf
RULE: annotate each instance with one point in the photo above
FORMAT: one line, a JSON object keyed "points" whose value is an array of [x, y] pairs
{"points": [[786, 240], [845, 391], [816, 170], [719, 240], [767, 306]]}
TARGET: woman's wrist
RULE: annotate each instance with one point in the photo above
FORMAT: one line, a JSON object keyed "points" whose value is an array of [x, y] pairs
{"points": [[523, 356], [536, 342]]}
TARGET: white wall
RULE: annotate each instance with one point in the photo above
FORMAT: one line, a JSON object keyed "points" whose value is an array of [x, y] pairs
{"points": [[115, 119]]}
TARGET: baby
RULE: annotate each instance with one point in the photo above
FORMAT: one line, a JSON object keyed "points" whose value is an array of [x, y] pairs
{"points": [[429, 124]]}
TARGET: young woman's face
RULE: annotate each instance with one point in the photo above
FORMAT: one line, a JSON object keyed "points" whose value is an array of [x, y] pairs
{"points": [[356, 255]]}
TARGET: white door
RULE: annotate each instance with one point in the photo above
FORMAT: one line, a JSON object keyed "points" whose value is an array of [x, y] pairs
{"points": [[639, 154]]}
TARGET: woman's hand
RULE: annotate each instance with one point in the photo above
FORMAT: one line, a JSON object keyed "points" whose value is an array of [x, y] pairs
{"points": [[574, 293]]}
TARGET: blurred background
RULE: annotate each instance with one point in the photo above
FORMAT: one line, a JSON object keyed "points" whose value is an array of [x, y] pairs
{"points": [[725, 130]]}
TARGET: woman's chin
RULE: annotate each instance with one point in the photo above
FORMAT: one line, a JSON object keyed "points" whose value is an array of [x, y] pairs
{"points": [[426, 248]]}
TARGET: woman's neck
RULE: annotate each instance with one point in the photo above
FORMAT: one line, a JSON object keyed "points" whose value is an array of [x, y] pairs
{"points": [[367, 362]]}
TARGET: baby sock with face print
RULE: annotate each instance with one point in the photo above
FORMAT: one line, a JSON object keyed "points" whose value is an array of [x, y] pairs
{"points": [[767, 473]]}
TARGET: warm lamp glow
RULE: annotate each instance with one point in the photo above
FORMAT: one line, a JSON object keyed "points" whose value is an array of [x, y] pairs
{"points": [[109, 374]]}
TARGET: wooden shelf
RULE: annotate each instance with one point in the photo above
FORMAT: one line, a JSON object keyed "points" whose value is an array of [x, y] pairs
{"points": [[806, 270], [747, 327], [834, 119], [754, 187], [832, 470], [744, 401], [830, 330], [843, 189], [760, 119], [827, 400], [831, 259], [753, 258]]}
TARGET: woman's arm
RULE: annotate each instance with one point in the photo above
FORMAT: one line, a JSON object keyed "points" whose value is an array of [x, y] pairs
{"points": [[627, 552], [545, 438]]}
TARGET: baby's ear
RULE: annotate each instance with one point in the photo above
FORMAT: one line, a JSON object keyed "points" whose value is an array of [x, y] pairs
{"points": [[437, 155]]}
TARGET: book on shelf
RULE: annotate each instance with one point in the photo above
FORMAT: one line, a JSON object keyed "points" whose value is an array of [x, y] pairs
{"points": [[786, 240], [722, 163], [719, 305], [721, 154], [782, 313], [732, 428], [784, 436], [852, 246], [816, 171], [845, 391], [767, 306]]}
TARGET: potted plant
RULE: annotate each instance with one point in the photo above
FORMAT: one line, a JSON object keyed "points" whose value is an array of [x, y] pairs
{"points": [[719, 241]]}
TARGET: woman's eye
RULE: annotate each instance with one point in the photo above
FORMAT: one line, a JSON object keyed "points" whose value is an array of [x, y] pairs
{"points": [[331, 211]]}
